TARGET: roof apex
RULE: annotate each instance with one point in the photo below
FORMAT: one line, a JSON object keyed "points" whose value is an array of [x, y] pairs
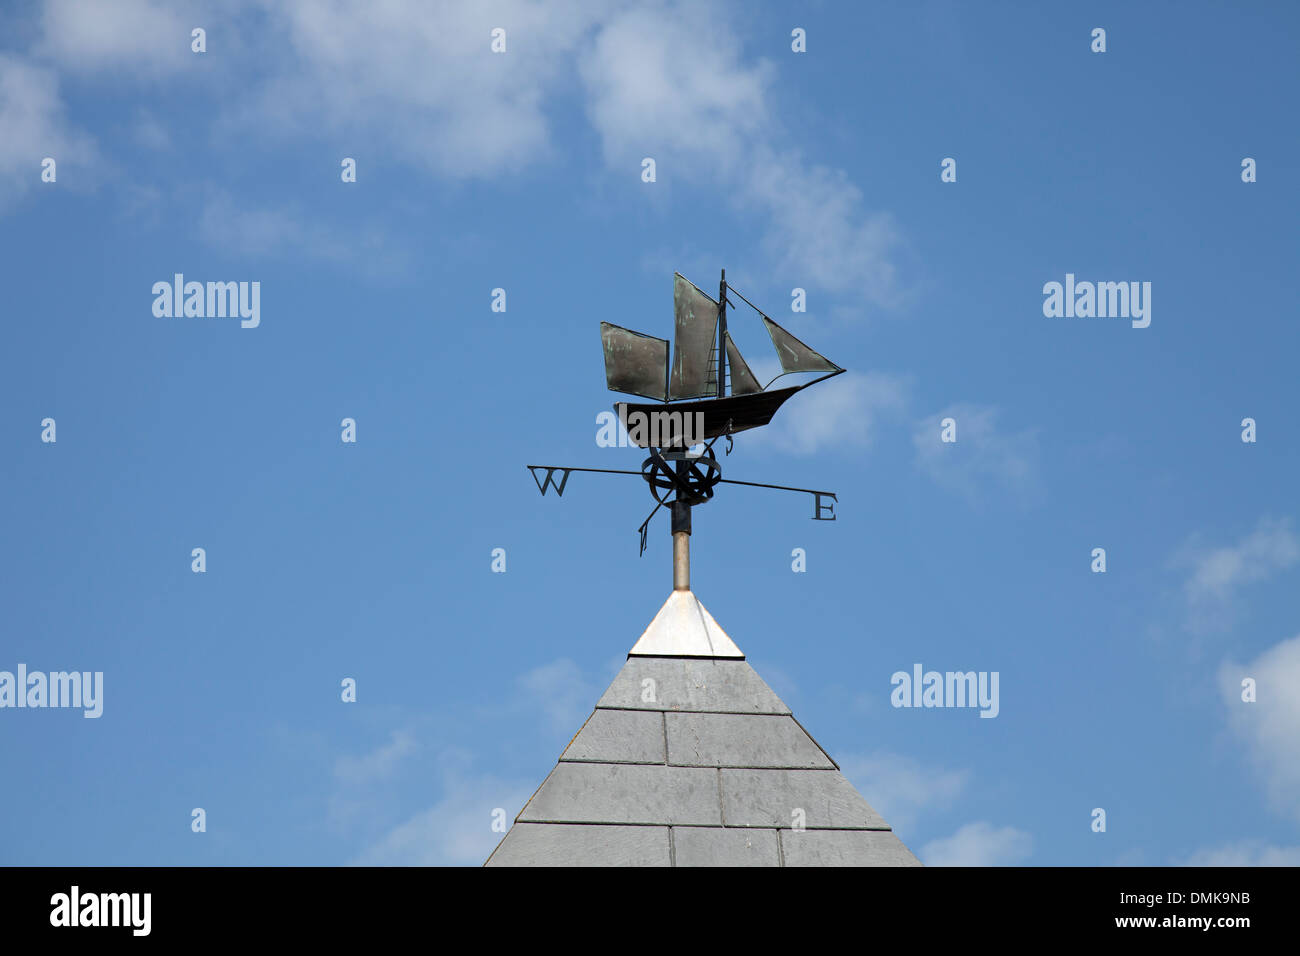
{"points": [[683, 628]]}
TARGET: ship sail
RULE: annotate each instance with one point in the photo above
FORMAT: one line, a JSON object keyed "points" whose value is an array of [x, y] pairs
{"points": [[794, 355], [742, 379], [634, 363], [693, 375], [643, 365]]}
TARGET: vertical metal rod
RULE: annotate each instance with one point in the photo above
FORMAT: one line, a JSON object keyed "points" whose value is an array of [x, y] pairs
{"points": [[681, 529], [722, 335], [681, 561]]}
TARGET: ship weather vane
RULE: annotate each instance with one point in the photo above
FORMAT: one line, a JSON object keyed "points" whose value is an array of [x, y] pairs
{"points": [[694, 405]]}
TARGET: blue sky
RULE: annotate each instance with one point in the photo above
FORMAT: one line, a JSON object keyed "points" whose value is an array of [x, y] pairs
{"points": [[522, 171]]}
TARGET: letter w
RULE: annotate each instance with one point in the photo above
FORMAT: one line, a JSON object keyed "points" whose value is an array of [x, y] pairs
{"points": [[548, 483]]}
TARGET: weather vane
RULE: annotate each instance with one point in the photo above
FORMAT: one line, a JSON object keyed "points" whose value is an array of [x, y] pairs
{"points": [[695, 408]]}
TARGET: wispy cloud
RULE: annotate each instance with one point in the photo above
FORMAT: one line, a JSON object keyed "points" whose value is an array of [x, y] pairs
{"points": [[418, 82], [34, 125], [1217, 575], [901, 788], [134, 38], [671, 82], [846, 411], [1269, 727], [243, 228], [1245, 853], [819, 230], [457, 829], [983, 455], [150, 133], [377, 765], [364, 784], [979, 844], [560, 692]]}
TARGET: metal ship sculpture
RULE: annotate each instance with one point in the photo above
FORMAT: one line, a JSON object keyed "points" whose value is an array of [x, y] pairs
{"points": [[694, 407], [697, 378]]}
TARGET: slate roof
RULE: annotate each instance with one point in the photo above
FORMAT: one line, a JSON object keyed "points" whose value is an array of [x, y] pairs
{"points": [[690, 759]]}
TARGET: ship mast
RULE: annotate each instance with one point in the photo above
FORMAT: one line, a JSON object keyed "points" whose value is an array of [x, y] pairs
{"points": [[722, 335], [681, 507]]}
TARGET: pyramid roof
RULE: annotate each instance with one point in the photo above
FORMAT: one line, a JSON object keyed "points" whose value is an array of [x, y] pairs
{"points": [[690, 759]]}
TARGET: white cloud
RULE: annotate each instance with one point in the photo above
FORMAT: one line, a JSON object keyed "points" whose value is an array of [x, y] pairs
{"points": [[241, 228], [843, 411], [818, 232], [411, 79], [667, 81], [32, 127], [1218, 573], [143, 203], [379, 764], [150, 133], [671, 82], [256, 231], [364, 783], [979, 844], [1269, 728], [146, 37], [419, 80], [560, 692], [1246, 853], [982, 453], [900, 788], [457, 830]]}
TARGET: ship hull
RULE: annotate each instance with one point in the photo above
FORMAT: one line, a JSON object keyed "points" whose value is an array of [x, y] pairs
{"points": [[721, 416]]}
